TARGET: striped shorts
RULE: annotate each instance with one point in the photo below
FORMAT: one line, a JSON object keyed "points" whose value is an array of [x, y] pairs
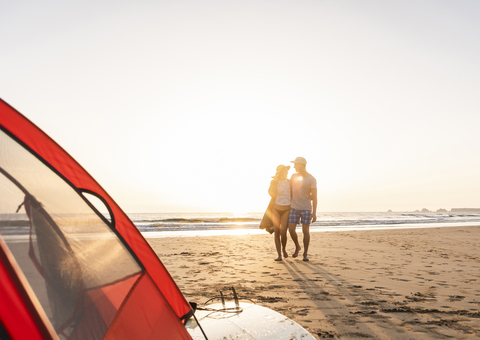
{"points": [[300, 216]]}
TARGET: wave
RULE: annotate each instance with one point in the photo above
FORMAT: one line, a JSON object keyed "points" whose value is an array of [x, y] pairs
{"points": [[18, 223], [199, 220], [223, 223]]}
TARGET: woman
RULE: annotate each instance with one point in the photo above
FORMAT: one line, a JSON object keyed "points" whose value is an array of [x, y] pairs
{"points": [[281, 193]]}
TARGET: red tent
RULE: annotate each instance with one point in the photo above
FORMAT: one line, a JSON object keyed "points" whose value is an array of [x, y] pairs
{"points": [[66, 270]]}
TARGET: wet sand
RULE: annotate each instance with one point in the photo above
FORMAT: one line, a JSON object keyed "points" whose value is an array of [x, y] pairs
{"points": [[392, 284]]}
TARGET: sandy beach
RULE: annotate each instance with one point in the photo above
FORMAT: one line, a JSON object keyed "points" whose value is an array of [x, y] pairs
{"points": [[392, 284]]}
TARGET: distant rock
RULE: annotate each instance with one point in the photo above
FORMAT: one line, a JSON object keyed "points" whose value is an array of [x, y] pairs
{"points": [[465, 209], [389, 210], [442, 210], [417, 211], [425, 210]]}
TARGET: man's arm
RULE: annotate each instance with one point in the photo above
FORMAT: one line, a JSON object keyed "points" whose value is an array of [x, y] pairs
{"points": [[313, 196]]}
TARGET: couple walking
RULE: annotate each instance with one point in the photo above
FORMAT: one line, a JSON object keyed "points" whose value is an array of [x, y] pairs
{"points": [[294, 202]]}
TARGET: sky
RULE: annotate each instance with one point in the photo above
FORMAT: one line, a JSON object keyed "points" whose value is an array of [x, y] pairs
{"points": [[189, 106]]}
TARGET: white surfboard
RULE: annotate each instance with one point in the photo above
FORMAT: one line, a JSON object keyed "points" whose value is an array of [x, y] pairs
{"points": [[247, 321]]}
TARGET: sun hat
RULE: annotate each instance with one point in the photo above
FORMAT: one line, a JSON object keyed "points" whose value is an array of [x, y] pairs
{"points": [[280, 168], [300, 160]]}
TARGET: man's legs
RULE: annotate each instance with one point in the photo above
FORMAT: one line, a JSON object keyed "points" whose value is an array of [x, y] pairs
{"points": [[293, 220], [306, 240]]}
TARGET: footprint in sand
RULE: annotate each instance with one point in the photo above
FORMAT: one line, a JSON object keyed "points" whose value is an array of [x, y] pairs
{"points": [[452, 298], [302, 312], [326, 334]]}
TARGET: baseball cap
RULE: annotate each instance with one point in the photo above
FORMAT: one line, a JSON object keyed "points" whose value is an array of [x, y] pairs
{"points": [[300, 160]]}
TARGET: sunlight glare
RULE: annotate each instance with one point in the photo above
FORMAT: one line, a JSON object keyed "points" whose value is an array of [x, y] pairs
{"points": [[225, 153]]}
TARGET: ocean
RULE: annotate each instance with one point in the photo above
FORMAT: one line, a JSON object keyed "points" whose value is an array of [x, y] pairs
{"points": [[154, 225], [204, 224]]}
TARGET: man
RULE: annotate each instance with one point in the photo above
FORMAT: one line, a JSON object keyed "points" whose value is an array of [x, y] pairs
{"points": [[304, 205]]}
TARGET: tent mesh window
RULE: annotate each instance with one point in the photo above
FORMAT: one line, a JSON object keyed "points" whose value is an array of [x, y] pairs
{"points": [[76, 265]]}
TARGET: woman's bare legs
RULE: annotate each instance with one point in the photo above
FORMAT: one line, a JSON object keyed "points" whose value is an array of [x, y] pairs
{"points": [[276, 228], [283, 233]]}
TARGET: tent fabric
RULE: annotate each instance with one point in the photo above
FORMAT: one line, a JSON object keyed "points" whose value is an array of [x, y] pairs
{"points": [[63, 163], [133, 314], [84, 302], [19, 319]]}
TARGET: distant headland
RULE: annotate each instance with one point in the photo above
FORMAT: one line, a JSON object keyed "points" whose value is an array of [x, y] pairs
{"points": [[465, 209], [453, 210]]}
